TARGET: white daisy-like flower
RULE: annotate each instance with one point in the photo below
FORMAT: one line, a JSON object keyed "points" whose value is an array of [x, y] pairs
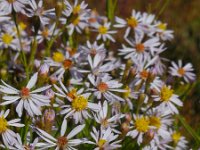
{"points": [[104, 31], [103, 119], [105, 139], [162, 32], [147, 22], [167, 98], [8, 136], [38, 10], [31, 101], [93, 49], [20, 146], [133, 22], [141, 125], [8, 5], [75, 8], [8, 39], [140, 50], [185, 72], [78, 104], [104, 86], [78, 24], [161, 120], [98, 66], [179, 141], [46, 33], [64, 62], [64, 142]]}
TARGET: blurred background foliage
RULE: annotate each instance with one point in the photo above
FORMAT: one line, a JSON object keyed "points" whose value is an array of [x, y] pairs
{"points": [[182, 16]]}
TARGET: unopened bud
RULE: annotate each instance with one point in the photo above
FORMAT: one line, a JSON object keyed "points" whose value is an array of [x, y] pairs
{"points": [[59, 8], [44, 70], [49, 116], [148, 137]]}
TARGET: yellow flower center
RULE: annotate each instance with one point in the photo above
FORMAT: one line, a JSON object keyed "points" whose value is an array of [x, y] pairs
{"points": [[162, 26], [166, 93], [22, 26], [181, 71], [58, 57], [103, 30], [62, 142], [176, 137], [102, 87], [25, 93], [140, 47], [142, 124], [3, 125], [45, 32], [76, 21], [7, 38], [79, 103], [101, 143], [76, 9], [155, 121], [127, 93], [132, 22], [11, 1]]}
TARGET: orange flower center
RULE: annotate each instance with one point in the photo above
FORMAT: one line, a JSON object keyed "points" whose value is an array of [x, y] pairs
{"points": [[62, 142], [67, 63], [45, 33], [181, 71], [25, 93], [144, 74], [102, 87], [140, 47]]}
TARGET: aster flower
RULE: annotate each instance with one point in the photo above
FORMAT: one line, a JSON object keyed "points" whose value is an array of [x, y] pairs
{"points": [[46, 33], [8, 135], [104, 86], [38, 10], [78, 24], [75, 8], [179, 141], [104, 32], [133, 22], [103, 119], [168, 99], [105, 139], [93, 49], [140, 50], [162, 32], [31, 101], [98, 66], [64, 62], [20, 146], [78, 104], [8, 39], [185, 72], [141, 125], [64, 142], [9, 5]]}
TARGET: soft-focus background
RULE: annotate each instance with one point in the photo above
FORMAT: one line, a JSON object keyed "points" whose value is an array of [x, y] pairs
{"points": [[182, 16]]}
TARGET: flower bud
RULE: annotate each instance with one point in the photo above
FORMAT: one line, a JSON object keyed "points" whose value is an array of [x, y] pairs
{"points": [[59, 8], [44, 69]]}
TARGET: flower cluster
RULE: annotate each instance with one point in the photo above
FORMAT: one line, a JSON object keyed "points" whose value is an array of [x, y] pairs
{"points": [[70, 89]]}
